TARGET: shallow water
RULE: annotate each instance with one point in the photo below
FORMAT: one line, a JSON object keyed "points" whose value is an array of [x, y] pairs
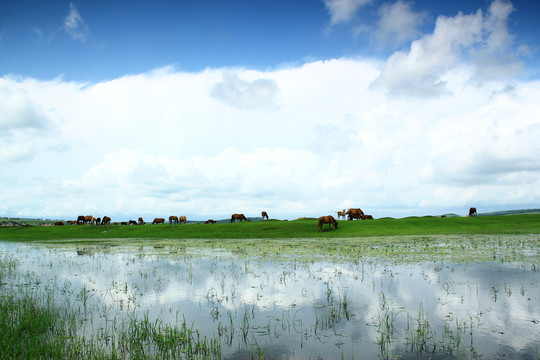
{"points": [[297, 309]]}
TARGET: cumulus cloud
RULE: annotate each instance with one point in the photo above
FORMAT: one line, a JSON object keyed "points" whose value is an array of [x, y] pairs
{"points": [[343, 11], [398, 22], [75, 25], [19, 112], [420, 70], [16, 152], [165, 142], [258, 93], [472, 41]]}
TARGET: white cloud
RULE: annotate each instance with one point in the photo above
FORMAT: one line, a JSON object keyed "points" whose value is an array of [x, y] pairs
{"points": [[420, 71], [75, 25], [398, 22], [258, 93], [19, 112], [162, 143], [343, 11], [16, 152], [472, 43]]}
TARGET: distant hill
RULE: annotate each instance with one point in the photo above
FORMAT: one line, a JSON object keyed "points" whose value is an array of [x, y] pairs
{"points": [[511, 212]]}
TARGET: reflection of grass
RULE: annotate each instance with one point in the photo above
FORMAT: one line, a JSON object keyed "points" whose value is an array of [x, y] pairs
{"points": [[397, 249]]}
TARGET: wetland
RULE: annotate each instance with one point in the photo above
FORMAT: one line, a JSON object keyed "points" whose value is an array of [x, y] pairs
{"points": [[443, 296]]}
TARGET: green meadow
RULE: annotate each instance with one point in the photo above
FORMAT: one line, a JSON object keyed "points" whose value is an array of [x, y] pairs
{"points": [[276, 229], [35, 326]]}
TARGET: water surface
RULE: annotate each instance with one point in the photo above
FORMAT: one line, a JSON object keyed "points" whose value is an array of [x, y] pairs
{"points": [[319, 309]]}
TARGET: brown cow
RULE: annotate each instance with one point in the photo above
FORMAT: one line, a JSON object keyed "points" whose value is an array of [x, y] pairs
{"points": [[173, 219], [72, 222], [106, 220], [327, 220], [57, 223], [80, 220], [158, 221], [210, 221], [182, 219], [132, 222], [472, 212], [368, 217], [240, 217], [264, 214], [355, 214], [141, 221]]}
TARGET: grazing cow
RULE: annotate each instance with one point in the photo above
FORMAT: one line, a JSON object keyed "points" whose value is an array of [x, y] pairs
{"points": [[264, 214], [341, 214], [158, 221], [132, 222], [210, 221], [72, 222], [89, 219], [472, 212], [182, 219], [98, 221], [327, 220], [58, 223], [106, 220], [123, 223], [173, 219], [368, 217], [355, 214], [240, 217], [141, 221], [80, 220]]}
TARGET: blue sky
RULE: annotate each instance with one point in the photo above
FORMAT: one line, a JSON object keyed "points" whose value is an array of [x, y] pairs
{"points": [[112, 39], [299, 108]]}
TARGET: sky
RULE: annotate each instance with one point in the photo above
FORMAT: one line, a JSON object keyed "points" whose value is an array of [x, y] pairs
{"points": [[298, 108]]}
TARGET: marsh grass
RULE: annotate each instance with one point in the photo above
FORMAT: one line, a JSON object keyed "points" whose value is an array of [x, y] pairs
{"points": [[31, 327]]}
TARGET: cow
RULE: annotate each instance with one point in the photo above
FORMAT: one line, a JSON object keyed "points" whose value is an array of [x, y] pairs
{"points": [[210, 221], [72, 222], [472, 212], [80, 220], [368, 217], [58, 223], [141, 221], [98, 221], [158, 221], [182, 219], [132, 222], [105, 221], [173, 219], [89, 219], [327, 220], [264, 214]]}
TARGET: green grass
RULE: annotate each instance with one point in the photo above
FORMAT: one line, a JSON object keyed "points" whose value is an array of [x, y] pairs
{"points": [[32, 328], [275, 229], [494, 238]]}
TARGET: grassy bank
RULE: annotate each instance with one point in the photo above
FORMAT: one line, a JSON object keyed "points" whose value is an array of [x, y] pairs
{"points": [[275, 229]]}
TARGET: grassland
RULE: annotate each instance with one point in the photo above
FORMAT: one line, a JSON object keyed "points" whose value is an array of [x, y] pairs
{"points": [[34, 328], [500, 238], [275, 229]]}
